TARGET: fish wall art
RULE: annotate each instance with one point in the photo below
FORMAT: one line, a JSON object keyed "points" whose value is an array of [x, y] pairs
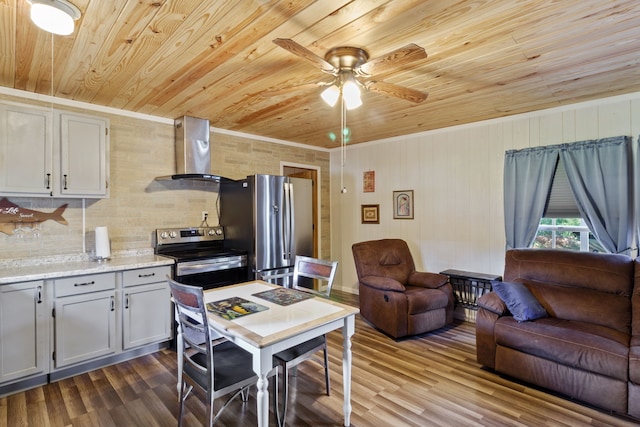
{"points": [[13, 216]]}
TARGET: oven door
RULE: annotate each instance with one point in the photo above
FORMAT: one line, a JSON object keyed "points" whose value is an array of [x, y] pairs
{"points": [[215, 279], [212, 273]]}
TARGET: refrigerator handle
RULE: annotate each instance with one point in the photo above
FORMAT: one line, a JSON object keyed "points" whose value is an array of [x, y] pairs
{"points": [[286, 218]]}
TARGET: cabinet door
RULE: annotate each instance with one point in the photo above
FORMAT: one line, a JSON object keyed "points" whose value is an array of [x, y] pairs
{"points": [[25, 151], [147, 314], [24, 343], [85, 327], [83, 156]]}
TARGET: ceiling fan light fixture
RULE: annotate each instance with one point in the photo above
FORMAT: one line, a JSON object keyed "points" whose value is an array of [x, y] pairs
{"points": [[54, 16], [351, 95], [330, 95]]}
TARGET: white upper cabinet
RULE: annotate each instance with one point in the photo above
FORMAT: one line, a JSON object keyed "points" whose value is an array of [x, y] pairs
{"points": [[83, 156], [45, 153], [26, 148]]}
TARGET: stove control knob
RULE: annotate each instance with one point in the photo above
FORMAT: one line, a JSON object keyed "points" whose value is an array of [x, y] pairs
{"points": [[173, 234], [211, 232], [219, 231], [164, 235]]}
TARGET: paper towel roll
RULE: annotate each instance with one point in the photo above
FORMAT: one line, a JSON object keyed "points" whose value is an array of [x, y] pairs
{"points": [[103, 248]]}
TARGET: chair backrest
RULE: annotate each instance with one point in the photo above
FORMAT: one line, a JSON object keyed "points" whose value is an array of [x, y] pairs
{"points": [[314, 269], [191, 314], [383, 258]]}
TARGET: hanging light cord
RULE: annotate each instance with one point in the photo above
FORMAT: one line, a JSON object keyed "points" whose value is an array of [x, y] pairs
{"points": [[51, 72], [343, 145]]}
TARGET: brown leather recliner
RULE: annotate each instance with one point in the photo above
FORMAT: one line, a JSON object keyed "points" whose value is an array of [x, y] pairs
{"points": [[396, 298]]}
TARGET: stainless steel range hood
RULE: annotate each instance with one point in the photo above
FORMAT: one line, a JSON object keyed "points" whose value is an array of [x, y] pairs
{"points": [[193, 152]]}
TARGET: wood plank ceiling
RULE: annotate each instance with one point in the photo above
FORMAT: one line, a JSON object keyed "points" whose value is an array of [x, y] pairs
{"points": [[215, 59]]}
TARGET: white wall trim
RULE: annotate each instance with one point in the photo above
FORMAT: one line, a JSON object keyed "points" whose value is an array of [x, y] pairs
{"points": [[84, 105], [536, 113], [125, 113], [267, 139]]}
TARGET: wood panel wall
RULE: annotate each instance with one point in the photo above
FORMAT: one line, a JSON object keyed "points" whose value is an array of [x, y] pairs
{"points": [[456, 174]]}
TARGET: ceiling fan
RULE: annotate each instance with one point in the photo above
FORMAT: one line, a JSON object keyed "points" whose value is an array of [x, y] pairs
{"points": [[351, 65]]}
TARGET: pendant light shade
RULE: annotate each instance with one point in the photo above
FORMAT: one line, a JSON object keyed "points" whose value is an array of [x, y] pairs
{"points": [[351, 95], [330, 95], [348, 90], [54, 16]]}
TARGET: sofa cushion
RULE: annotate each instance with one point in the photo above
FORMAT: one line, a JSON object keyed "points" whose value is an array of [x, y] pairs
{"points": [[519, 300], [583, 304], [420, 299], [383, 283], [575, 344], [634, 364]]}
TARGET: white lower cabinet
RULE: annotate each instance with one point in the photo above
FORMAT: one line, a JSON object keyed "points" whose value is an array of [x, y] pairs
{"points": [[146, 306], [84, 318], [24, 332], [53, 328]]}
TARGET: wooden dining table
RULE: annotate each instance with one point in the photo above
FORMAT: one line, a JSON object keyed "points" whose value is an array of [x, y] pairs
{"points": [[278, 319]]}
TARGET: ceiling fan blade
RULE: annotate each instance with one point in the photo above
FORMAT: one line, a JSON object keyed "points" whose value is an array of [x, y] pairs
{"points": [[397, 58], [305, 53], [397, 91]]}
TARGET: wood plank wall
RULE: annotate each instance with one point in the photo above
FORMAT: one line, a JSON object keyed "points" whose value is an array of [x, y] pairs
{"points": [[456, 175]]}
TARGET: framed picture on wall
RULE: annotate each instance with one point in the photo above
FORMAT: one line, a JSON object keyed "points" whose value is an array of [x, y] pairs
{"points": [[403, 204], [370, 214], [369, 182]]}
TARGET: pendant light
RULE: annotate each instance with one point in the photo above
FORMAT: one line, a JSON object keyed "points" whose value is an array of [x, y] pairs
{"points": [[54, 16], [346, 88]]}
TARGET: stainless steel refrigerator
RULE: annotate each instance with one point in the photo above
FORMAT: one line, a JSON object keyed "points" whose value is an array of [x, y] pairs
{"points": [[271, 218]]}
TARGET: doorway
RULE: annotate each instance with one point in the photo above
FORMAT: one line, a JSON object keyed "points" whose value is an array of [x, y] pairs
{"points": [[312, 174]]}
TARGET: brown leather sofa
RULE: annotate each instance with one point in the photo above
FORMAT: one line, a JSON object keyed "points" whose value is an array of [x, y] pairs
{"points": [[396, 298], [587, 344]]}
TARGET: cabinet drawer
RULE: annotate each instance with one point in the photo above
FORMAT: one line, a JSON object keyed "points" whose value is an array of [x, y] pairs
{"points": [[142, 276], [84, 284]]}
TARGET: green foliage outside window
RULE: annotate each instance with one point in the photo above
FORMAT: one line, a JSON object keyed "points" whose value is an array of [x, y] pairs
{"points": [[565, 233]]}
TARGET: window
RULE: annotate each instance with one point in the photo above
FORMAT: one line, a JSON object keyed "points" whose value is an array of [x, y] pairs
{"points": [[566, 233], [561, 226]]}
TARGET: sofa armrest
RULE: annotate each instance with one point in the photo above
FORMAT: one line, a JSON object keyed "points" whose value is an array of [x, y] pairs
{"points": [[427, 280], [492, 302], [382, 283]]}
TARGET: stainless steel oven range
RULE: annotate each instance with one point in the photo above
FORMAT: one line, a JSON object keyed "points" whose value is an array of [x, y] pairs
{"points": [[201, 259]]}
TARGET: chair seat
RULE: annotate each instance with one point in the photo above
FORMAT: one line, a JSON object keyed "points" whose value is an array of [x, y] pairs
{"points": [[231, 365], [301, 349], [420, 300]]}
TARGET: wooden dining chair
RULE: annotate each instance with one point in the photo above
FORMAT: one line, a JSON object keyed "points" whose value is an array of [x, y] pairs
{"points": [[314, 276], [215, 367]]}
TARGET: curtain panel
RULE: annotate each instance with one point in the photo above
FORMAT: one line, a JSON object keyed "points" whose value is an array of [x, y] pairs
{"points": [[528, 174], [601, 179]]}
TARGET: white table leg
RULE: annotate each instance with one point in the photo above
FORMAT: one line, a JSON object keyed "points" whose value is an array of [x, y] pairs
{"points": [[347, 332], [262, 400], [262, 365]]}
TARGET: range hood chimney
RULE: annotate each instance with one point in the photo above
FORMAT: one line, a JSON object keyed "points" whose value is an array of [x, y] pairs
{"points": [[193, 152]]}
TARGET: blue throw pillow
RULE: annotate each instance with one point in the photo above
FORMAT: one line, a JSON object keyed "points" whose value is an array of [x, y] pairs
{"points": [[519, 300]]}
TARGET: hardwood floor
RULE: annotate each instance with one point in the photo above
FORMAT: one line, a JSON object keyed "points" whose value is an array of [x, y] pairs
{"points": [[430, 380]]}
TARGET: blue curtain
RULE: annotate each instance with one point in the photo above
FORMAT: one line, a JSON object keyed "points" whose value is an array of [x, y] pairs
{"points": [[600, 176], [528, 175]]}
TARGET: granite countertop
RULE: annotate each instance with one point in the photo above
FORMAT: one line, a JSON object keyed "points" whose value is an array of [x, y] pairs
{"points": [[24, 270]]}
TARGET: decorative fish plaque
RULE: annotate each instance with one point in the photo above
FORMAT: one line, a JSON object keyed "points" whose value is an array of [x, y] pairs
{"points": [[13, 216]]}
